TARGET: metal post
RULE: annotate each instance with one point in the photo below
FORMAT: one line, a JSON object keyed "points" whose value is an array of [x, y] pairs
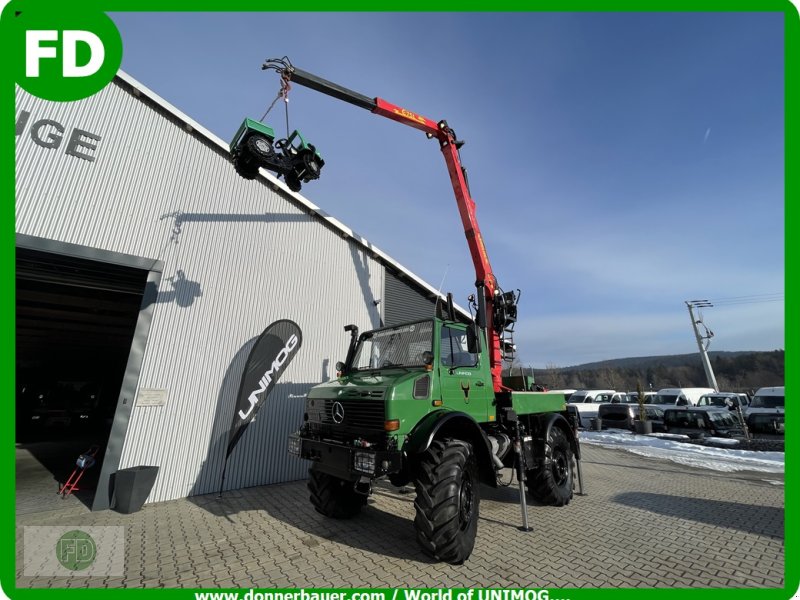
{"points": [[580, 477], [521, 478], [712, 381], [520, 473]]}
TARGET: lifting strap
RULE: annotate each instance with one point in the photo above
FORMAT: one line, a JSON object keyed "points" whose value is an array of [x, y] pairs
{"points": [[283, 92]]}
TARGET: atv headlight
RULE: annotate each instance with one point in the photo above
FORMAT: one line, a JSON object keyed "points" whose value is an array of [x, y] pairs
{"points": [[364, 462]]}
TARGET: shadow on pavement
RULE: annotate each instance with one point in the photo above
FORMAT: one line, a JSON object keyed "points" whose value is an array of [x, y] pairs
{"points": [[373, 530], [761, 520]]}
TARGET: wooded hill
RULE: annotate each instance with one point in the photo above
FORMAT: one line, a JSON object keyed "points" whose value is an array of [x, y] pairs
{"points": [[735, 372]]}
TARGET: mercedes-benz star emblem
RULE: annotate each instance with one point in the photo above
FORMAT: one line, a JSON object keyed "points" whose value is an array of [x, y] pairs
{"points": [[337, 412]]}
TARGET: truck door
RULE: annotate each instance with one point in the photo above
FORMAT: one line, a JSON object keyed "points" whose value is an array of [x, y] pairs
{"points": [[464, 382]]}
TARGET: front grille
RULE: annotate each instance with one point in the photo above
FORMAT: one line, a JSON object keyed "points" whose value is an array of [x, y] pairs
{"points": [[345, 414]]}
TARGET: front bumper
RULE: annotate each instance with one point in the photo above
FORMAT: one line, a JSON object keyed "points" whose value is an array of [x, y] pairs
{"points": [[346, 462]]}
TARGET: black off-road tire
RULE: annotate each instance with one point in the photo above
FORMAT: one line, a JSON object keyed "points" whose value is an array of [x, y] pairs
{"points": [[334, 497], [292, 182], [259, 147], [244, 167], [552, 484], [447, 501]]}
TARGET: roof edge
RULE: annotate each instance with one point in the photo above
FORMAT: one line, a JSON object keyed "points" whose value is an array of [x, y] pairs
{"points": [[139, 90]]}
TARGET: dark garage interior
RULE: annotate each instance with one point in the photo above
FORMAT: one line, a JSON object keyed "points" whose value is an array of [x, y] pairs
{"points": [[75, 321]]}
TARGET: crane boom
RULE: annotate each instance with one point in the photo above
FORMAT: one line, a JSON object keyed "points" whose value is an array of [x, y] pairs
{"points": [[490, 299]]}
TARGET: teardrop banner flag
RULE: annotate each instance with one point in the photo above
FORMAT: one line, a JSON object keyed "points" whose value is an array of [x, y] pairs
{"points": [[271, 354]]}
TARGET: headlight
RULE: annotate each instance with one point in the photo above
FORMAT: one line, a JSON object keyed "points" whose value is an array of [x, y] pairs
{"points": [[364, 462], [294, 445]]}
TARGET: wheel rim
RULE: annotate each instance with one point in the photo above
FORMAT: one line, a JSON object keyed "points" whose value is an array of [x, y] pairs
{"points": [[465, 501], [263, 145], [560, 468]]}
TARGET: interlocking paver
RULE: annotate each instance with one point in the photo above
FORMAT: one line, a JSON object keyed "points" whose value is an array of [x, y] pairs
{"points": [[645, 523]]}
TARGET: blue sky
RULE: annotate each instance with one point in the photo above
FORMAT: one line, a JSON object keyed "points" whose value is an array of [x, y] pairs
{"points": [[621, 163]]}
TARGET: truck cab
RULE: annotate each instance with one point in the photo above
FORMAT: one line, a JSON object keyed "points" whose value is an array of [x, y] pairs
{"points": [[415, 402]]}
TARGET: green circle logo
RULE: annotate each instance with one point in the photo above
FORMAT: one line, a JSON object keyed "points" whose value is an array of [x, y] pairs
{"points": [[63, 55], [76, 550]]}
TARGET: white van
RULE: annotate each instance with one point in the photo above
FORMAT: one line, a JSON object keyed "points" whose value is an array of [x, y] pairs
{"points": [[672, 397], [590, 396], [587, 403], [767, 400]]}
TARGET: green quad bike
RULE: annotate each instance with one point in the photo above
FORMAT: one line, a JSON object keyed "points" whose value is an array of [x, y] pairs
{"points": [[254, 146]]}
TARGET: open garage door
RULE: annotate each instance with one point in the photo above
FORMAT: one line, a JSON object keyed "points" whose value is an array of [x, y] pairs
{"points": [[75, 322]]}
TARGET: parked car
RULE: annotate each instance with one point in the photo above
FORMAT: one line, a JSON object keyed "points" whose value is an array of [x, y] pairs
{"points": [[703, 422], [766, 426], [590, 396], [621, 398], [634, 396], [727, 400], [587, 402], [667, 397], [767, 400], [622, 416]]}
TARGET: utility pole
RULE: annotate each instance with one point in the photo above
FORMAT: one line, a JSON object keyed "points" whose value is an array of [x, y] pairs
{"points": [[691, 304]]}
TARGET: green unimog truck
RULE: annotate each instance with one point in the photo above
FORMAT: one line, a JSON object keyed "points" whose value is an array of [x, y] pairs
{"points": [[415, 403]]}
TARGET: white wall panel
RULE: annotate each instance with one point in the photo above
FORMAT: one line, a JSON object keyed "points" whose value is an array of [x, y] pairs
{"points": [[237, 256]]}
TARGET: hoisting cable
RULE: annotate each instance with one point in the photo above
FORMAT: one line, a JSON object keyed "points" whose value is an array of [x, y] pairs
{"points": [[283, 93]]}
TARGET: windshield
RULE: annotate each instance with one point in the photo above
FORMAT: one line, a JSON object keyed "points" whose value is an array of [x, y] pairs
{"points": [[714, 401], [401, 346], [767, 402], [663, 399]]}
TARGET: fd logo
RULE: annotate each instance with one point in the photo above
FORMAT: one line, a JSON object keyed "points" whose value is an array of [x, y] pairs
{"points": [[62, 54]]}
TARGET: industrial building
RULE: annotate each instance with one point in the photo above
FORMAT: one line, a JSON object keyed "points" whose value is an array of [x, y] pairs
{"points": [[146, 270]]}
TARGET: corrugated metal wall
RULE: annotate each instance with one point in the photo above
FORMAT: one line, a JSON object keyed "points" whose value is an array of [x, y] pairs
{"points": [[237, 256], [404, 303]]}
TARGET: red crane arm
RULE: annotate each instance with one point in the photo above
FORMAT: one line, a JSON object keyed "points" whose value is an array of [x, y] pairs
{"points": [[485, 280]]}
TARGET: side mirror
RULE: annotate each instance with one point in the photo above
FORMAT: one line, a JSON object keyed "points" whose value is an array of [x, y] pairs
{"points": [[472, 341]]}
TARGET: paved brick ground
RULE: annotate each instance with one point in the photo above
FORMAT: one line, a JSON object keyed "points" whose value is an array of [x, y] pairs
{"points": [[645, 523]]}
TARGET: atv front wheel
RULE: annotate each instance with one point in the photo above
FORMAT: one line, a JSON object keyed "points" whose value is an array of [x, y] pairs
{"points": [[334, 497], [447, 501], [552, 483], [260, 146]]}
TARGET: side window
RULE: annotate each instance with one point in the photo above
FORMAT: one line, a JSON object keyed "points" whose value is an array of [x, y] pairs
{"points": [[455, 352]]}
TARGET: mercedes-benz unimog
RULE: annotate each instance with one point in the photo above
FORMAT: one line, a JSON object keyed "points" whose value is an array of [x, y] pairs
{"points": [[425, 403]]}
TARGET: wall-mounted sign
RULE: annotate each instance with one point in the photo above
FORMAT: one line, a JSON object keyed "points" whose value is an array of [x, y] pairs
{"points": [[50, 134], [151, 397]]}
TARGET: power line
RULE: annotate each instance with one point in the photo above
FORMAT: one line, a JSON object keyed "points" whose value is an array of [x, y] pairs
{"points": [[753, 299]]}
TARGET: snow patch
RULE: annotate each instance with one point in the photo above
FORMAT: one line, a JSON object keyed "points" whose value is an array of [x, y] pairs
{"points": [[693, 455]]}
